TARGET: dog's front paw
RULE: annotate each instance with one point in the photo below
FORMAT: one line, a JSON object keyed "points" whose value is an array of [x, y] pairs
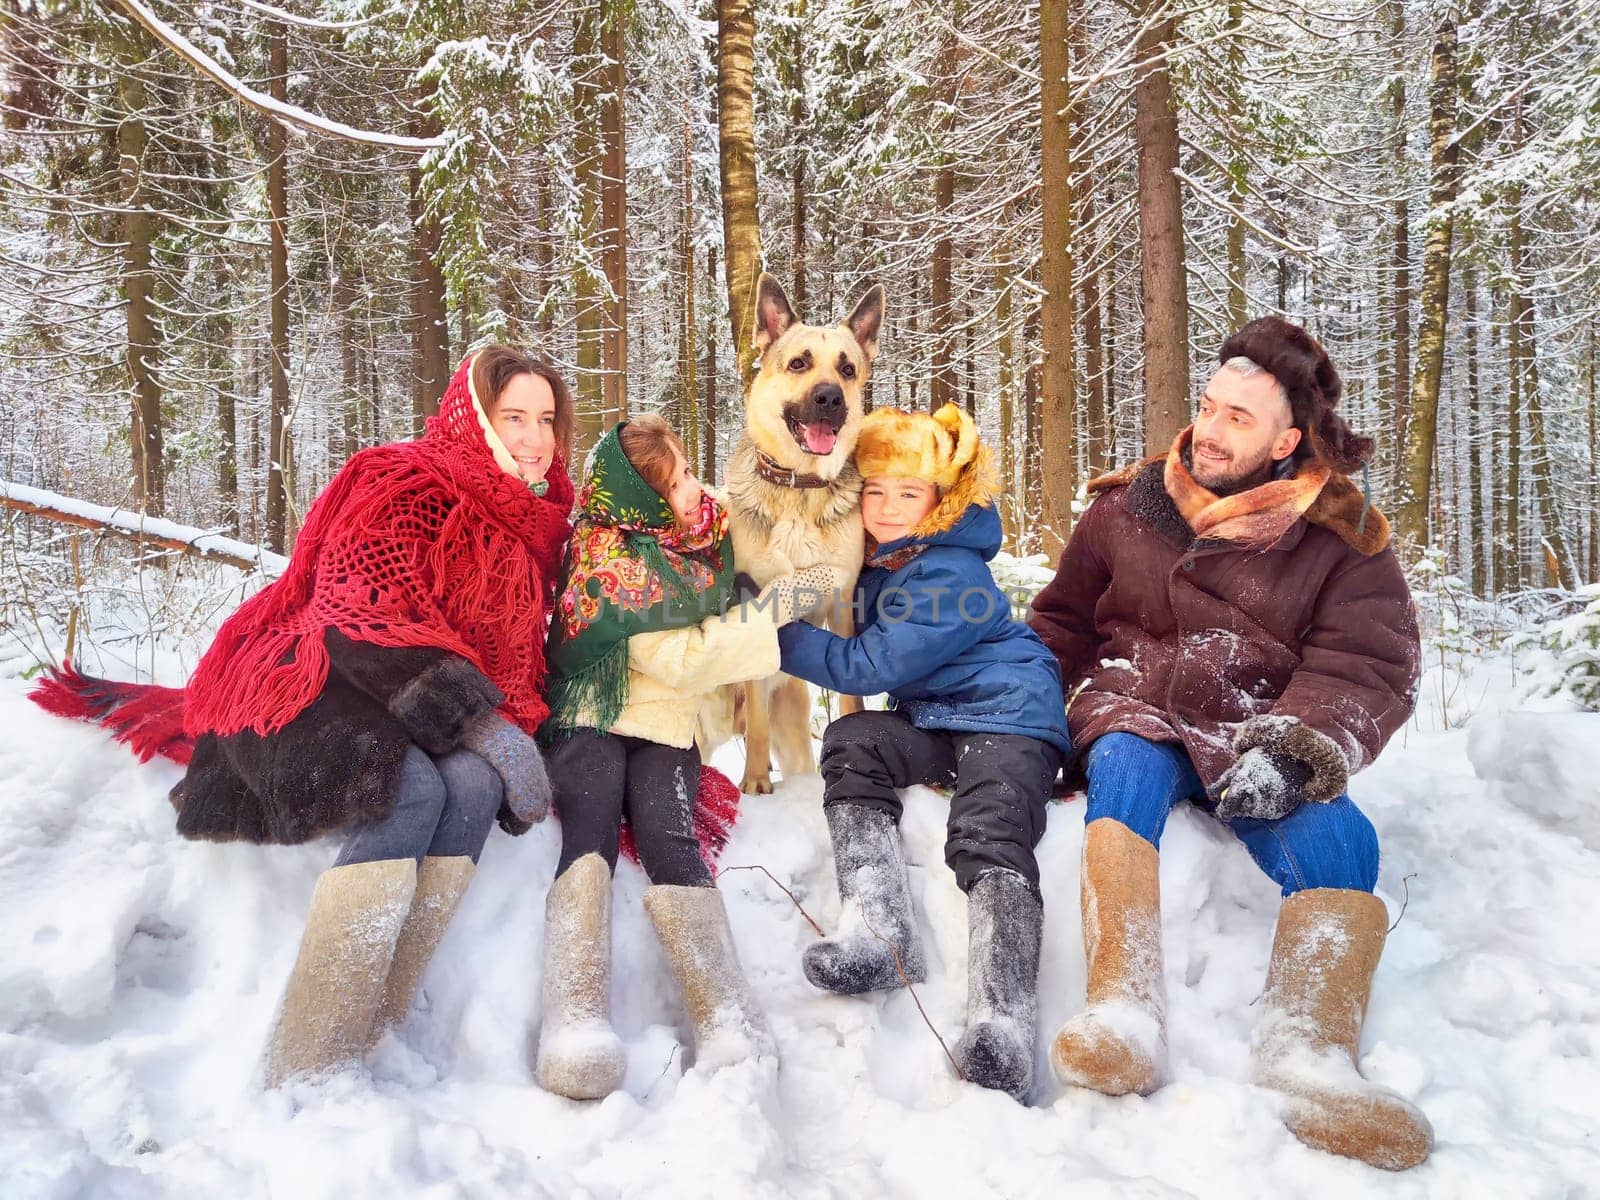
{"points": [[756, 783]]}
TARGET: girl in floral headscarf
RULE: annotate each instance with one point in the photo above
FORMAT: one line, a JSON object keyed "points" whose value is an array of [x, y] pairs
{"points": [[644, 627]]}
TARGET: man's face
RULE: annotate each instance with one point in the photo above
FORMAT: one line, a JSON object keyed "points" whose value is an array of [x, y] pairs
{"points": [[1243, 426]]}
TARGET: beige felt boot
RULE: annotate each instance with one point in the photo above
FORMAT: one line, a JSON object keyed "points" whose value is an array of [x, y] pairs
{"points": [[692, 923], [441, 883], [337, 984], [1323, 959], [580, 1055], [1118, 1043]]}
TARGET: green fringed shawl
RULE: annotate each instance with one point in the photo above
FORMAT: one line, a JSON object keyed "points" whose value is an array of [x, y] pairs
{"points": [[629, 569]]}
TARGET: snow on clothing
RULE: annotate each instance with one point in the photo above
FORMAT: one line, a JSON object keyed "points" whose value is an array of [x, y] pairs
{"points": [[643, 628], [1137, 782], [603, 777], [1182, 617], [937, 634], [1001, 781]]}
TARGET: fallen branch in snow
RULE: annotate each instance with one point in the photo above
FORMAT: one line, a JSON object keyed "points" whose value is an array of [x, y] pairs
{"points": [[153, 531], [1405, 882], [906, 979], [285, 114], [786, 892]]}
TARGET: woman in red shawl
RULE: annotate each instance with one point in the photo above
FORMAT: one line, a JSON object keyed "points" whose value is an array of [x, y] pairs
{"points": [[386, 686]]}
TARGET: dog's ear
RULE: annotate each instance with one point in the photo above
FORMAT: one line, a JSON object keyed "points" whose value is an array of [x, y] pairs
{"points": [[866, 320], [773, 313]]}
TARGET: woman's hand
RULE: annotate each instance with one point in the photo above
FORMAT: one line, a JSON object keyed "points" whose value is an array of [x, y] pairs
{"points": [[516, 759]]}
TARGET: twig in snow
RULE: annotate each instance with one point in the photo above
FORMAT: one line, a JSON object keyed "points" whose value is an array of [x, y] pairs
{"points": [[906, 979], [1405, 883], [786, 892]]}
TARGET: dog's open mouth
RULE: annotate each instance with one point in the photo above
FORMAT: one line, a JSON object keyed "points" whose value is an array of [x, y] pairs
{"points": [[814, 437]]}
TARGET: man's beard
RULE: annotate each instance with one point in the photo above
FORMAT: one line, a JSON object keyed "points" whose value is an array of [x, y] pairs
{"points": [[1234, 476]]}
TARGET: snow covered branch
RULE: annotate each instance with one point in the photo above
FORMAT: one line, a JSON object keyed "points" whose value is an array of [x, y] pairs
{"points": [[156, 531], [285, 114]]}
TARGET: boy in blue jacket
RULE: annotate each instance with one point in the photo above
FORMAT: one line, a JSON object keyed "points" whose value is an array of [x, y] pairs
{"points": [[977, 707]]}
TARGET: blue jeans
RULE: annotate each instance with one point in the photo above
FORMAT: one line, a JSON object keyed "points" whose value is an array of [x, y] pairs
{"points": [[1137, 782], [443, 808]]}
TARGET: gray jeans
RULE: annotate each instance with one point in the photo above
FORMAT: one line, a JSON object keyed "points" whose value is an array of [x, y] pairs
{"points": [[444, 807]]}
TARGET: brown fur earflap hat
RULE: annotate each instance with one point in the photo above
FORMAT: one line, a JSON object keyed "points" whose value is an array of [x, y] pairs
{"points": [[1302, 367], [940, 448]]}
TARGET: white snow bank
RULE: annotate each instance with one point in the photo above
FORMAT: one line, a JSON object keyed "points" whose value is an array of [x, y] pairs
{"points": [[139, 973], [1544, 764]]}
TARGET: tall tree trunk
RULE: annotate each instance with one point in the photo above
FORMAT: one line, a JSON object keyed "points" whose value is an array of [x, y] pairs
{"points": [[143, 353], [942, 379], [1594, 460], [614, 208], [1510, 571], [708, 410], [280, 467], [1399, 400], [1552, 542], [588, 78], [430, 329], [1422, 429], [1007, 389], [220, 340], [736, 158], [1237, 266], [1092, 434], [1161, 248], [1478, 430], [688, 330], [1058, 400], [798, 129]]}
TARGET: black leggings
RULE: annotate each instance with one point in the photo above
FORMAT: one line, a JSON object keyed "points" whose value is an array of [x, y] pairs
{"points": [[598, 777]]}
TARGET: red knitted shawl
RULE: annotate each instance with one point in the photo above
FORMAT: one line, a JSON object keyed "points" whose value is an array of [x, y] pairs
{"points": [[425, 543]]}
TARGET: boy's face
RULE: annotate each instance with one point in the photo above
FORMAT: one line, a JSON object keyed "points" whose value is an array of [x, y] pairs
{"points": [[893, 505]]}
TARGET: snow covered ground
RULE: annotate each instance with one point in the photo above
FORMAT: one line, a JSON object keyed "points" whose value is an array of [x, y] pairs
{"points": [[139, 973]]}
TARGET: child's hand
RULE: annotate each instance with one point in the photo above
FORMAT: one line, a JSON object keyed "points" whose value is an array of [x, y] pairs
{"points": [[800, 593]]}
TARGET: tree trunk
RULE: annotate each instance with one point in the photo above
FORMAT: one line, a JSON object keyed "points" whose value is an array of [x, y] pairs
{"points": [[1477, 431], [1007, 389], [1161, 249], [1237, 266], [942, 380], [708, 410], [1552, 542], [799, 130], [220, 339], [688, 330], [1399, 400], [1421, 432], [1594, 461], [143, 354], [588, 78], [614, 209], [1057, 380], [736, 157], [430, 330], [280, 468], [1511, 521]]}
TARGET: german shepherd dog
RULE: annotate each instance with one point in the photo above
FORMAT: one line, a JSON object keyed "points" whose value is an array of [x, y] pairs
{"points": [[794, 496]]}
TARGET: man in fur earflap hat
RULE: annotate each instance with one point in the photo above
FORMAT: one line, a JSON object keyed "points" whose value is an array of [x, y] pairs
{"points": [[1234, 630]]}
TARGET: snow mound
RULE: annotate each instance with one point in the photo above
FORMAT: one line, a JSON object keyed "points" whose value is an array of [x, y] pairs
{"points": [[1543, 764], [139, 974]]}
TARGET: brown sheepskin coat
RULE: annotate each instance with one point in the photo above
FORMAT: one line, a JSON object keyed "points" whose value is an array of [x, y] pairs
{"points": [[1288, 602]]}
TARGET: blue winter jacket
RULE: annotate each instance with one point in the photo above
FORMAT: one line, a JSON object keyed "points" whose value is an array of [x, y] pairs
{"points": [[938, 636]]}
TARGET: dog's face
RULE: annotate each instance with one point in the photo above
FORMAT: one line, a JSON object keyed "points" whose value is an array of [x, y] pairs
{"points": [[804, 408]]}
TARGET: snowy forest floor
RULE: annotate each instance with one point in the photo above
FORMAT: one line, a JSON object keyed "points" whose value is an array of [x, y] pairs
{"points": [[139, 974]]}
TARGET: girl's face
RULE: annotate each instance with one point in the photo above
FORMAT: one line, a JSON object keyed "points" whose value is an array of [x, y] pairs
{"points": [[893, 505], [684, 493], [525, 420]]}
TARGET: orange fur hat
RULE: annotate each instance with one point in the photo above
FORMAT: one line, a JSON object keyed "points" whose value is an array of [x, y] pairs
{"points": [[940, 448]]}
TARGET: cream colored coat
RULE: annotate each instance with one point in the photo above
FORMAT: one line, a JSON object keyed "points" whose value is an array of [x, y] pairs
{"points": [[672, 671]]}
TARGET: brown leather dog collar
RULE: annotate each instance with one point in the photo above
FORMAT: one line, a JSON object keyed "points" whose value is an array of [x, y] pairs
{"points": [[773, 473]]}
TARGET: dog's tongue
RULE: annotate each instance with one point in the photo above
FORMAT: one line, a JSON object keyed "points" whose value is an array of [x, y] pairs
{"points": [[820, 437]]}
